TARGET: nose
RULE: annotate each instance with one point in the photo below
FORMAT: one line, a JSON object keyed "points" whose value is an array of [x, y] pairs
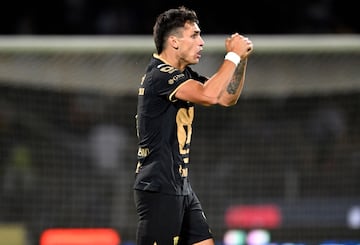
{"points": [[202, 42]]}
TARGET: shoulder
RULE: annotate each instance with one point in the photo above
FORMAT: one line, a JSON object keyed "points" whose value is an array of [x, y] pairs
{"points": [[160, 70], [163, 67]]}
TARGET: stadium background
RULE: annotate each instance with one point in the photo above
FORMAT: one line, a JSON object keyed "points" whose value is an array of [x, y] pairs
{"points": [[68, 77]]}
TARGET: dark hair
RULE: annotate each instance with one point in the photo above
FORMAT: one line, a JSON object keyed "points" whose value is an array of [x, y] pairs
{"points": [[169, 21]]}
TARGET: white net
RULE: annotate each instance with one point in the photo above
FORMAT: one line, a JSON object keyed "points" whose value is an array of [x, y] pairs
{"points": [[109, 64], [68, 142]]}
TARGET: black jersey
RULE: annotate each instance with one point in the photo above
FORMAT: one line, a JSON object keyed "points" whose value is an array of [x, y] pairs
{"points": [[164, 128]]}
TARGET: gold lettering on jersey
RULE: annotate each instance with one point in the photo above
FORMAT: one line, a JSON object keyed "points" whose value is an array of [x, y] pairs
{"points": [[137, 126], [168, 69], [138, 166], [141, 91], [176, 240], [184, 120], [143, 152], [175, 78], [142, 79], [183, 171]]}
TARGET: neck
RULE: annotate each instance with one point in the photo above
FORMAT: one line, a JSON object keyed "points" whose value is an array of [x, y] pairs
{"points": [[172, 60]]}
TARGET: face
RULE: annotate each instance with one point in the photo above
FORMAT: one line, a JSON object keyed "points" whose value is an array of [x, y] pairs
{"points": [[190, 44]]}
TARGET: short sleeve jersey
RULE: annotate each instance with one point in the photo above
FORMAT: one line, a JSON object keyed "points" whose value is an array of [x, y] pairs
{"points": [[164, 128]]}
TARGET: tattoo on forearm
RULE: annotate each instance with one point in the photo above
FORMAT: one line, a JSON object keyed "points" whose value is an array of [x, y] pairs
{"points": [[235, 81]]}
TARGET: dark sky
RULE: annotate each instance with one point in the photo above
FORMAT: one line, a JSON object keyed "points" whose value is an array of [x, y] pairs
{"points": [[84, 17]]}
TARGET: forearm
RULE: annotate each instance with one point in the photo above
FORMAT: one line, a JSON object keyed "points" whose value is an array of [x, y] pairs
{"points": [[215, 86], [223, 88], [232, 90]]}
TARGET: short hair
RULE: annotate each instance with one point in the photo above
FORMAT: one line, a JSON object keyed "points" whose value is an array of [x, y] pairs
{"points": [[169, 21]]}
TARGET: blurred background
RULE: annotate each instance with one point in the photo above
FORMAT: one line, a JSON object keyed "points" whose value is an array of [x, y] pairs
{"points": [[280, 167], [73, 17]]}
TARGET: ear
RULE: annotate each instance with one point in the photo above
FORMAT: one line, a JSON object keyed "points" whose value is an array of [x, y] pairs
{"points": [[173, 41]]}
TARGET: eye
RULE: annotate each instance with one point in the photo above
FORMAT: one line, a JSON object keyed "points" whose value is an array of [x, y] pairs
{"points": [[195, 35]]}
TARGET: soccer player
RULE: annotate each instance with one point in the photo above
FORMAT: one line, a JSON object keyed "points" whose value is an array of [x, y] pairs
{"points": [[169, 212]]}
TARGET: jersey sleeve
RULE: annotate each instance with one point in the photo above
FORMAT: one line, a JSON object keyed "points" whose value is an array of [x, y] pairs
{"points": [[189, 74], [169, 80], [196, 76]]}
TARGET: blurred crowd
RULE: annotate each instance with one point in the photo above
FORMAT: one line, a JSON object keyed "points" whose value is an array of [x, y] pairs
{"points": [[67, 159], [109, 17]]}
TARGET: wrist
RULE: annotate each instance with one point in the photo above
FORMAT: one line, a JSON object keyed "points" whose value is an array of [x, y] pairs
{"points": [[233, 57]]}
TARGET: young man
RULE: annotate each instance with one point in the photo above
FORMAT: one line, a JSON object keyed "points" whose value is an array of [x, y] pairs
{"points": [[168, 209]]}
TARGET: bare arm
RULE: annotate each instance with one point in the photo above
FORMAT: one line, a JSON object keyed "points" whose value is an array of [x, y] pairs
{"points": [[225, 86], [234, 88]]}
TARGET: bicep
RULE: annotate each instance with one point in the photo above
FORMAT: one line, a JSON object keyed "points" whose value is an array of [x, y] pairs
{"points": [[194, 91]]}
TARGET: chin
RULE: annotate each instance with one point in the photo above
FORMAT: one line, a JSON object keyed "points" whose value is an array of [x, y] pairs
{"points": [[196, 61]]}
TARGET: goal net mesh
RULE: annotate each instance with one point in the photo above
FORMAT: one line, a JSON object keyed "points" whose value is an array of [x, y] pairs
{"points": [[68, 141]]}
